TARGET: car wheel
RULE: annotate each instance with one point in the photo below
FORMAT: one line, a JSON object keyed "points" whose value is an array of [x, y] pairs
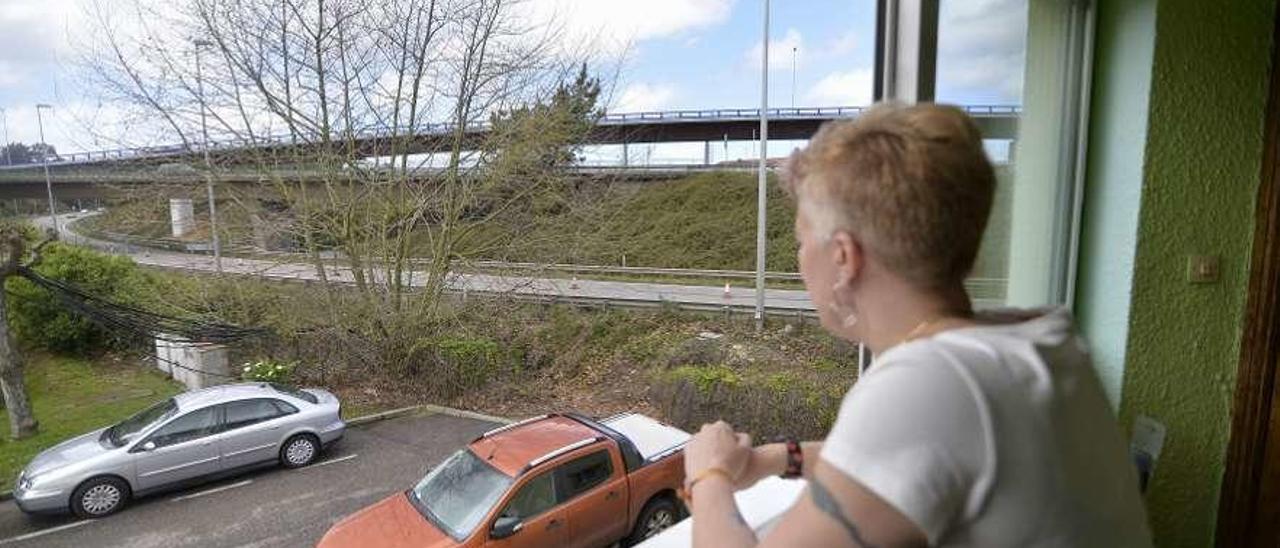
{"points": [[99, 497], [659, 514], [299, 451]]}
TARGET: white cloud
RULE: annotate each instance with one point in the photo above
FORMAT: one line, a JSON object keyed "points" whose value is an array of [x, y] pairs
{"points": [[851, 88], [780, 51], [641, 97], [614, 24], [982, 50], [844, 44]]}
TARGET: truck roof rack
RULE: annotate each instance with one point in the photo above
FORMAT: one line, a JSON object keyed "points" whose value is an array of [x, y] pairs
{"points": [[506, 427], [553, 454]]}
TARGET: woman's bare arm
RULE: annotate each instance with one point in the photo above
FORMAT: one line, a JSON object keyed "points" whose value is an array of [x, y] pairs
{"points": [[771, 460], [834, 510]]}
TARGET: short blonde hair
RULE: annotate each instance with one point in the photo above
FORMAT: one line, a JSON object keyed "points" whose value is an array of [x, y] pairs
{"points": [[913, 183]]}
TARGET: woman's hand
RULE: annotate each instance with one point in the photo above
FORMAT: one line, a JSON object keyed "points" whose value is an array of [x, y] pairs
{"points": [[717, 446], [764, 461]]}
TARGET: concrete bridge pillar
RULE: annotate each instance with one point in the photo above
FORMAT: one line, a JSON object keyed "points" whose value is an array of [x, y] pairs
{"points": [[182, 217]]}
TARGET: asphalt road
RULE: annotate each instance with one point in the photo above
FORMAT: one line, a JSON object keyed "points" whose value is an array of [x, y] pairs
{"points": [[791, 300], [268, 508]]}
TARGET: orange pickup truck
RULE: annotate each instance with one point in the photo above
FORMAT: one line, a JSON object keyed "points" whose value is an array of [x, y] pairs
{"points": [[563, 480]]}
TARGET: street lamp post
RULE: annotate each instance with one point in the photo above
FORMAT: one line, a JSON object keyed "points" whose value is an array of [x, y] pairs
{"points": [[793, 76], [762, 188], [208, 165], [4, 122], [44, 159]]}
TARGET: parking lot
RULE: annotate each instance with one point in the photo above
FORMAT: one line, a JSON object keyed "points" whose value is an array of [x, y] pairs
{"points": [[271, 507]]}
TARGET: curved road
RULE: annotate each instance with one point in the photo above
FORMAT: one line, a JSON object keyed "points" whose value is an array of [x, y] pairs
{"points": [[784, 301]]}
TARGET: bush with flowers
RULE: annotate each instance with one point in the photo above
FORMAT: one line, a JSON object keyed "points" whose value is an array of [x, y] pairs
{"points": [[267, 370]]}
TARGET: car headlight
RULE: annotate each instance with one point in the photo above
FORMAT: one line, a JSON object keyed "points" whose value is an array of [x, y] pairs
{"points": [[24, 482]]}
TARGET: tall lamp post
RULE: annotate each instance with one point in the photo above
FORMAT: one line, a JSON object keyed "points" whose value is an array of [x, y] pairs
{"points": [[793, 76], [208, 165], [4, 122], [762, 186], [44, 159]]}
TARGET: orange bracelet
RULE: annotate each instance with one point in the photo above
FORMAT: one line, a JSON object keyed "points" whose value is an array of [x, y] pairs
{"points": [[686, 493]]}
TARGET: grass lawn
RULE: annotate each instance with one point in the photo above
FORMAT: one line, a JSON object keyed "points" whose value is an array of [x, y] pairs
{"points": [[72, 396]]}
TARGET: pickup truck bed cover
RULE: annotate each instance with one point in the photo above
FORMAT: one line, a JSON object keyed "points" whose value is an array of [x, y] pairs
{"points": [[651, 438]]}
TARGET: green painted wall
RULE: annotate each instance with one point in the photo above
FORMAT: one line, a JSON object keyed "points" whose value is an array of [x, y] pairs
{"points": [[1126, 35], [1200, 176]]}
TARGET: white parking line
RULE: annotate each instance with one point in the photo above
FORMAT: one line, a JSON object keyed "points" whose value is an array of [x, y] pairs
{"points": [[331, 461], [44, 532], [212, 491]]}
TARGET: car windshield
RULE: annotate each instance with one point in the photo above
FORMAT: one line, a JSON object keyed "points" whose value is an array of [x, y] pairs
{"points": [[123, 432], [458, 494]]}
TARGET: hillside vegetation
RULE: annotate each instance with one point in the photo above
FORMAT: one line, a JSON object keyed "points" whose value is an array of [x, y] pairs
{"points": [[702, 221]]}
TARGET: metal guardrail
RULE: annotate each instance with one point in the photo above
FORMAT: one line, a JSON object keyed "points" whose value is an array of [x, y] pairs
{"points": [[444, 128], [986, 288]]}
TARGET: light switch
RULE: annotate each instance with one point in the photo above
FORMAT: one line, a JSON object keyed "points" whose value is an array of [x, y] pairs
{"points": [[1203, 269]]}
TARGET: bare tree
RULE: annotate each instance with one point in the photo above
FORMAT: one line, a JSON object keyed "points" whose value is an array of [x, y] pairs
{"points": [[385, 134], [22, 420]]}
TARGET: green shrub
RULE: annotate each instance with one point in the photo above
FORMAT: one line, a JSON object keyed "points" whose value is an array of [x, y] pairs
{"points": [[449, 366], [39, 318], [764, 404], [705, 377], [267, 370]]}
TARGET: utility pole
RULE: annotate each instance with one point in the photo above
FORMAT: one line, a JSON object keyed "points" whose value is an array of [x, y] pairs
{"points": [[793, 76], [4, 121], [44, 159], [208, 165], [761, 189]]}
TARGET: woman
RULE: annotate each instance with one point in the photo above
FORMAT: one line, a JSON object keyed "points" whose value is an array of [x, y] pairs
{"points": [[967, 430]]}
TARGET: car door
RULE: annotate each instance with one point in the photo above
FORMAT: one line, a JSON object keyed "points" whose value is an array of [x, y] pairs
{"points": [[594, 494], [542, 520], [251, 431], [184, 448]]}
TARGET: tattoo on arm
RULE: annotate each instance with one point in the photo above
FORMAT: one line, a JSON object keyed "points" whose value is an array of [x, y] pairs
{"points": [[823, 499], [737, 518]]}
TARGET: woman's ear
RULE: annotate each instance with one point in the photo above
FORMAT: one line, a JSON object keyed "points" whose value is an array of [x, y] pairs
{"points": [[847, 256]]}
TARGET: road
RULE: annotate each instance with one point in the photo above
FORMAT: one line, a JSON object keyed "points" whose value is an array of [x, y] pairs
{"points": [[707, 297], [273, 507]]}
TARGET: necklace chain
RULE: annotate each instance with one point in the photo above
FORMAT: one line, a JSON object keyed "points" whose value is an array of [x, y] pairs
{"points": [[919, 328]]}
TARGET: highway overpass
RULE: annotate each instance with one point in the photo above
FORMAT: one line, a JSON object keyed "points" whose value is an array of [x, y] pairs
{"points": [[81, 174], [995, 121]]}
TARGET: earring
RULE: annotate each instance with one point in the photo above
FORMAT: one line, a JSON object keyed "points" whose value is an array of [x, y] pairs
{"points": [[850, 320], [849, 313]]}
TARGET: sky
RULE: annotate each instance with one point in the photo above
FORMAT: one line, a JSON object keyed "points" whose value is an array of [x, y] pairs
{"points": [[672, 54]]}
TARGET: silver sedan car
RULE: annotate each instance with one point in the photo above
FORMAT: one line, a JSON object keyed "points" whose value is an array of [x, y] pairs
{"points": [[194, 435]]}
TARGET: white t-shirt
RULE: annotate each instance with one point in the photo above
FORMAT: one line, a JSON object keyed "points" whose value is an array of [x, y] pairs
{"points": [[994, 435]]}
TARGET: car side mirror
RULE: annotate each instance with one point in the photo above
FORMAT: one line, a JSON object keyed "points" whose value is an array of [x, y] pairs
{"points": [[148, 446], [506, 526]]}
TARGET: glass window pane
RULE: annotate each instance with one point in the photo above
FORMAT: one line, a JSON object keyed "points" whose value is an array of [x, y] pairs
{"points": [[247, 412], [580, 475], [1010, 63], [194, 425], [534, 497], [284, 407]]}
